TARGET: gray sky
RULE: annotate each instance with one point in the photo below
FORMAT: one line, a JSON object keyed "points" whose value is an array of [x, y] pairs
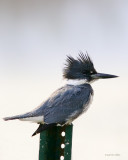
{"points": [[35, 37]]}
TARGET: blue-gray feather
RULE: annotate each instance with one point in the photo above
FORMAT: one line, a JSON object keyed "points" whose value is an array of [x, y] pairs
{"points": [[80, 68], [61, 105], [64, 102]]}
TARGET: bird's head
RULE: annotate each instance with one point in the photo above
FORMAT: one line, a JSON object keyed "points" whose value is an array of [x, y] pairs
{"points": [[83, 68]]}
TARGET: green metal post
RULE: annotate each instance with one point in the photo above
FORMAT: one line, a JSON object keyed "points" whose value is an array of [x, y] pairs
{"points": [[56, 143]]}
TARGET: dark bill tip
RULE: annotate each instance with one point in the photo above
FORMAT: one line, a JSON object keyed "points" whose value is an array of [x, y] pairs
{"points": [[103, 76]]}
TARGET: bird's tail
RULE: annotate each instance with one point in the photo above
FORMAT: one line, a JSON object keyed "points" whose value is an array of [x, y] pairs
{"points": [[26, 115], [43, 127]]}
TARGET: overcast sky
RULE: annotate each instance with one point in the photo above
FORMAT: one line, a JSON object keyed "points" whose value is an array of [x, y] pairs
{"points": [[35, 37]]}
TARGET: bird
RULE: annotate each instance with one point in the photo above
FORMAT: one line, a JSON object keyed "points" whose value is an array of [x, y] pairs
{"points": [[71, 100]]}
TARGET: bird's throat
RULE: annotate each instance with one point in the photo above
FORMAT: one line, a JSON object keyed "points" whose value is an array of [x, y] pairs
{"points": [[77, 82]]}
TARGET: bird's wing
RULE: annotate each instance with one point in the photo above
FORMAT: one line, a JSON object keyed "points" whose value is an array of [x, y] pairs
{"points": [[66, 103]]}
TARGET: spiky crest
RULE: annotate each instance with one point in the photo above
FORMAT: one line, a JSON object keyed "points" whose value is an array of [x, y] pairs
{"points": [[78, 68]]}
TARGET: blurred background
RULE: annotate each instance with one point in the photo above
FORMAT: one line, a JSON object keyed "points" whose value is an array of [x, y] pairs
{"points": [[35, 37]]}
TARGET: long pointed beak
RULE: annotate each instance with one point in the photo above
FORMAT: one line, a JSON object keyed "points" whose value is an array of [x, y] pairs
{"points": [[102, 76]]}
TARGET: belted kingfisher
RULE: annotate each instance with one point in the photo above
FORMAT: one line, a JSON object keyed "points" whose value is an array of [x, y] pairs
{"points": [[69, 101]]}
